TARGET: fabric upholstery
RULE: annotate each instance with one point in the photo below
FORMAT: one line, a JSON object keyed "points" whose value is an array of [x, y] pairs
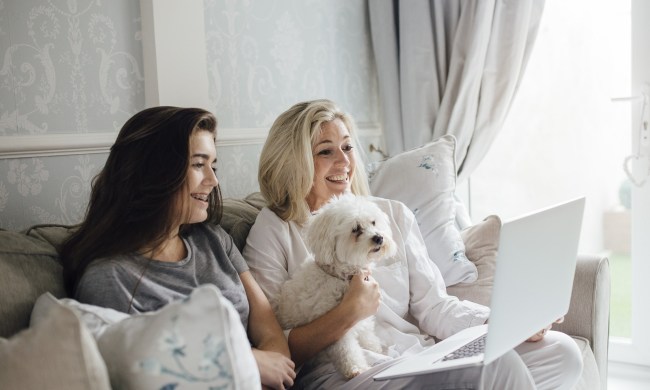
{"points": [[195, 343], [588, 315], [481, 246], [57, 353], [239, 215], [55, 235], [96, 319], [28, 267]]}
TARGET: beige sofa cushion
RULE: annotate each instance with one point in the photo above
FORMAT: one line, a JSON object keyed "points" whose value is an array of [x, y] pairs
{"points": [[239, 215], [57, 353], [28, 267], [481, 245]]}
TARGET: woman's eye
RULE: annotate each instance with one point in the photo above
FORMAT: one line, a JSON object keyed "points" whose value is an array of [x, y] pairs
{"points": [[325, 152], [198, 165], [348, 148]]}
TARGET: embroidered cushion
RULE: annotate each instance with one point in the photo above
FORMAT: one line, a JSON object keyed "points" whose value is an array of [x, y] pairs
{"points": [[424, 179], [196, 343]]}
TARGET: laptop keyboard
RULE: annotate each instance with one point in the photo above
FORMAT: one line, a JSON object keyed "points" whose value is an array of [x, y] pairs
{"points": [[472, 348]]}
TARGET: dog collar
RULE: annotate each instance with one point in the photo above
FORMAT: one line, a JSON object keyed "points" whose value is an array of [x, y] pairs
{"points": [[330, 270]]}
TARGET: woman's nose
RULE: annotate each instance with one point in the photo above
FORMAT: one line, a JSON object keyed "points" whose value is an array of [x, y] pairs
{"points": [[342, 157], [212, 178]]}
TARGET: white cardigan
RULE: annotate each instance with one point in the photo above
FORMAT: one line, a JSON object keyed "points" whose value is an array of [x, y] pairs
{"points": [[414, 303]]}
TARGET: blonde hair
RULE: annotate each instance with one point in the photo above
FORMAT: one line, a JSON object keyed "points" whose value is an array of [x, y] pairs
{"points": [[286, 170]]}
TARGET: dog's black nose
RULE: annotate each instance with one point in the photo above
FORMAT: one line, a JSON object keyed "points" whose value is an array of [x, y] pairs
{"points": [[377, 239]]}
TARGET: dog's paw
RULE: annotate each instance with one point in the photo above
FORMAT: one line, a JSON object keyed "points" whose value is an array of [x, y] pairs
{"points": [[351, 374], [353, 371]]}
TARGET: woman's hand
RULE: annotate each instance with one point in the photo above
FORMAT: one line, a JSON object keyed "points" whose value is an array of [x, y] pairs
{"points": [[272, 351], [359, 302], [540, 335], [363, 295], [276, 370]]}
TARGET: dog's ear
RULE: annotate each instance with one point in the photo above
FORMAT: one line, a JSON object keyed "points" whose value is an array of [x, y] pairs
{"points": [[321, 236]]}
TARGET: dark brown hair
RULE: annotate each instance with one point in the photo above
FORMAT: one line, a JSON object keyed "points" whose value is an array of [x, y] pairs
{"points": [[132, 203]]}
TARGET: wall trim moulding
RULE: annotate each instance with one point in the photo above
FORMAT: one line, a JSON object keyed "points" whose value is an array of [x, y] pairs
{"points": [[89, 143]]}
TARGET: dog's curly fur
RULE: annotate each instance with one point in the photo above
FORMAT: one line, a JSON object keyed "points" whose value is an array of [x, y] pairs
{"points": [[346, 236]]}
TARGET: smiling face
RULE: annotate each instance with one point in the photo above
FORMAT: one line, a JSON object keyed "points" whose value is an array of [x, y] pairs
{"points": [[334, 163], [201, 177]]}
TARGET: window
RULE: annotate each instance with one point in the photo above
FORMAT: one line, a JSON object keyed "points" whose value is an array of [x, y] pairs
{"points": [[565, 137]]}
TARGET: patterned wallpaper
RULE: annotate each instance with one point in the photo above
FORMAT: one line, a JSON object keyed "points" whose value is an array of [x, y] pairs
{"points": [[76, 67], [264, 56], [67, 67]]}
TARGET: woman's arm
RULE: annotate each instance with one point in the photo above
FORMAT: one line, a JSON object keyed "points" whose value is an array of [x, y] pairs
{"points": [[437, 313], [270, 346], [263, 328]]}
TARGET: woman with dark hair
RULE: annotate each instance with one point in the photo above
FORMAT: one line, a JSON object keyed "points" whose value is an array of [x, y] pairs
{"points": [[151, 232]]}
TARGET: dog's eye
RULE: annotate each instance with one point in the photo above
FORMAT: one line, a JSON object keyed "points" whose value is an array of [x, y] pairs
{"points": [[373, 223], [357, 230]]}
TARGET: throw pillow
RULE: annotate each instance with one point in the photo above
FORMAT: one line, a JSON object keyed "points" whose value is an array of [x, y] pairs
{"points": [[481, 246], [95, 318], [56, 353], [195, 343], [424, 179]]}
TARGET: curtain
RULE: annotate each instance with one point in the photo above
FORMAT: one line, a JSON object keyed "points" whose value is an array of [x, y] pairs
{"points": [[450, 67]]}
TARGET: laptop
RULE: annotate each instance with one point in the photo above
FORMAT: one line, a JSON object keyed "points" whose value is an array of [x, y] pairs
{"points": [[533, 281]]}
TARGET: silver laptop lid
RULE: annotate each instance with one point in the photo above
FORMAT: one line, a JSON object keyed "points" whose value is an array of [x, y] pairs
{"points": [[534, 275]]}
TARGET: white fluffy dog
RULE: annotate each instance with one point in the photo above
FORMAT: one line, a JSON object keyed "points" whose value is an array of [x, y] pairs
{"points": [[346, 236]]}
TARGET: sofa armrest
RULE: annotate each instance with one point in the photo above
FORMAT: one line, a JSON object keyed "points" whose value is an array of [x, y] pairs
{"points": [[588, 314]]}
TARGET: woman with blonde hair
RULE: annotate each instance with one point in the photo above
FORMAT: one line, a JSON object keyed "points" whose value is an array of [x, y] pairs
{"points": [[309, 156], [286, 170]]}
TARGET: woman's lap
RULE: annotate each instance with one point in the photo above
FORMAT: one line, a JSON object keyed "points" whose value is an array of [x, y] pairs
{"points": [[552, 363]]}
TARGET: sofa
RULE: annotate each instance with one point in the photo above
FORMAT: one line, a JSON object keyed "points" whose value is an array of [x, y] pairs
{"points": [[29, 267]]}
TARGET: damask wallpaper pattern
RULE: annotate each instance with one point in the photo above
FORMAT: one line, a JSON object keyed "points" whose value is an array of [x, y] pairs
{"points": [[75, 66], [264, 56], [67, 67]]}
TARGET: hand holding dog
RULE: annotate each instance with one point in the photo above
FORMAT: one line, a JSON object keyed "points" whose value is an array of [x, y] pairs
{"points": [[363, 295]]}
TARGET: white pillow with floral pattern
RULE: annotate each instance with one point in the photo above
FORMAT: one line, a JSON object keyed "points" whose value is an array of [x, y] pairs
{"points": [[424, 179], [195, 343]]}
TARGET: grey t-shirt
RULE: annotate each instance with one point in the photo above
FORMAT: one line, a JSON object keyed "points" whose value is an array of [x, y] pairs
{"points": [[212, 257]]}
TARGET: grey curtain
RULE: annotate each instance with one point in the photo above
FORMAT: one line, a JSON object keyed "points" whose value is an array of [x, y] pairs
{"points": [[450, 67]]}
